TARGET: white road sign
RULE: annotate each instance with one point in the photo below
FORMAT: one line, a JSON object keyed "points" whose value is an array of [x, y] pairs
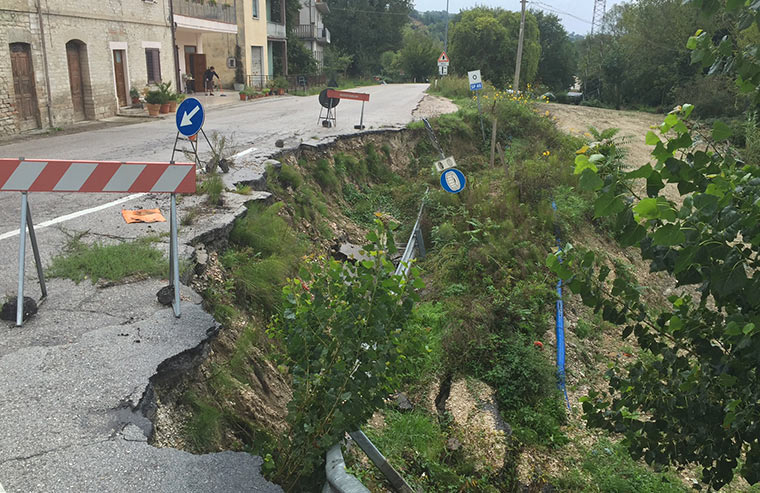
{"points": [[476, 83], [444, 164]]}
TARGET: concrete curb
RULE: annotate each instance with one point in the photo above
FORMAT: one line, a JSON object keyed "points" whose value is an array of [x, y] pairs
{"points": [[338, 480]]}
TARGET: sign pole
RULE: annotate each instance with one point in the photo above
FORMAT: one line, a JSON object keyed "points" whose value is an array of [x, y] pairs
{"points": [[480, 111], [21, 256], [36, 250], [174, 256]]}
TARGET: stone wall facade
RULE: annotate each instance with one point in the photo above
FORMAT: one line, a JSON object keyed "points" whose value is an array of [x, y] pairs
{"points": [[99, 27]]}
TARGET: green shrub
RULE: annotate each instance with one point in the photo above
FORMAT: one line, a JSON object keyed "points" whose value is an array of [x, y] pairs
{"points": [[212, 186], [289, 176], [454, 87], [325, 175], [264, 231]]}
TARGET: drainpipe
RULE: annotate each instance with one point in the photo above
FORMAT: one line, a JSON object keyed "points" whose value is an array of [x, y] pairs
{"points": [[174, 47], [45, 63]]}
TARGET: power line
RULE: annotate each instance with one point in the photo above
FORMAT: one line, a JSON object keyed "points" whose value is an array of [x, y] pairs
{"points": [[557, 11]]}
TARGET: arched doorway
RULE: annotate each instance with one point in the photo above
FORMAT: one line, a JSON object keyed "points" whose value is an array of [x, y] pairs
{"points": [[76, 55], [24, 86]]}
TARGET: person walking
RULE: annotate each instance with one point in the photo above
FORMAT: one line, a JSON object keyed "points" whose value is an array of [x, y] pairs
{"points": [[208, 78]]}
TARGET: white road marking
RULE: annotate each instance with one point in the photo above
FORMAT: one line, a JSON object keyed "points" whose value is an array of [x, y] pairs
{"points": [[84, 212], [73, 215], [243, 153]]}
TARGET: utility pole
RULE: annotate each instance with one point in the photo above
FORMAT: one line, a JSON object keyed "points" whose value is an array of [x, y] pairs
{"points": [[446, 33], [516, 85]]}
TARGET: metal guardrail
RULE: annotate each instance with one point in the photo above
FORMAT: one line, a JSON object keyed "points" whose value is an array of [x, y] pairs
{"points": [[221, 12], [338, 480]]}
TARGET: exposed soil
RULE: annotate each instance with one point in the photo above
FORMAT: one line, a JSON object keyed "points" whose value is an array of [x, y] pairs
{"points": [[431, 106]]}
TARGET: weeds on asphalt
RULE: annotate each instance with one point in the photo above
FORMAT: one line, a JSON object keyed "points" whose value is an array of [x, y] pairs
{"points": [[82, 261]]}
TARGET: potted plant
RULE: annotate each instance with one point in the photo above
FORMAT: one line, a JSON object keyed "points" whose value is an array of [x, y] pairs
{"points": [[165, 92], [270, 88], [153, 99], [135, 95], [280, 85], [173, 101], [244, 93]]}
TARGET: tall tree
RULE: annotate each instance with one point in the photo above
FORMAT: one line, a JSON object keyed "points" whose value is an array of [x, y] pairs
{"points": [[419, 54], [367, 28], [486, 39], [557, 65]]}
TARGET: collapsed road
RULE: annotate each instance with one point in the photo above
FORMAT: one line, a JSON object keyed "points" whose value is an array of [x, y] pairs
{"points": [[76, 378]]}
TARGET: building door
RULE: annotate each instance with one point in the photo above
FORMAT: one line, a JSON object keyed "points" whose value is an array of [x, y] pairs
{"points": [[119, 59], [74, 57], [24, 86], [257, 67], [198, 63]]}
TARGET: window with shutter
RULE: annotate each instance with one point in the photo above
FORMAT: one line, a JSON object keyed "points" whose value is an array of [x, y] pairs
{"points": [[153, 61]]}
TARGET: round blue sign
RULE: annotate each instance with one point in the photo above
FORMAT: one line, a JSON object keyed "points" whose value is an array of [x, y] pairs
{"points": [[453, 180], [190, 117]]}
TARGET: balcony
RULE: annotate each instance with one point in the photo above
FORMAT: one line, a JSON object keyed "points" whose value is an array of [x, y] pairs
{"points": [[311, 32], [220, 12], [276, 31]]}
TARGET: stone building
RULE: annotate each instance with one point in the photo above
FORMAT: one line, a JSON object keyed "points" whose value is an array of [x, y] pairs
{"points": [[71, 60]]}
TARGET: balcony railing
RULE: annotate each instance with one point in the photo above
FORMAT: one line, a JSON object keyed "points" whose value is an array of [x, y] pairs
{"points": [[219, 11], [275, 30], [310, 31]]}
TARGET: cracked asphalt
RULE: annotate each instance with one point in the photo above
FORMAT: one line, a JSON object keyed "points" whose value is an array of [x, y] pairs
{"points": [[73, 378]]}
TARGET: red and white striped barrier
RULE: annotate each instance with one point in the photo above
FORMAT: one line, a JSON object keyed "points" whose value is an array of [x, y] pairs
{"points": [[55, 175], [52, 175]]}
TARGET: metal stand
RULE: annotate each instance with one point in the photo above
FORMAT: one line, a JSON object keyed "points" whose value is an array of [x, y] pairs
{"points": [[174, 257], [193, 145], [331, 118], [26, 220], [360, 126]]}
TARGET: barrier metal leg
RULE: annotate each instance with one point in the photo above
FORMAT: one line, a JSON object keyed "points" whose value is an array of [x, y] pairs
{"points": [[21, 257], [420, 242], [36, 250], [174, 257]]}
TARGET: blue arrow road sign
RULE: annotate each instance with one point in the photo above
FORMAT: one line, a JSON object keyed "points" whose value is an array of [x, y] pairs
{"points": [[190, 117], [453, 180]]}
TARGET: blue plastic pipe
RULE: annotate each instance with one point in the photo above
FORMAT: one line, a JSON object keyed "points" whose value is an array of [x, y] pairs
{"points": [[560, 326]]}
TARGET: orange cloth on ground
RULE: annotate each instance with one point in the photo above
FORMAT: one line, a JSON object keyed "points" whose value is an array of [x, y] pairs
{"points": [[143, 216]]}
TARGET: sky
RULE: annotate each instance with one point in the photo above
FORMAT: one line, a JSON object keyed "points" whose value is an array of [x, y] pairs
{"points": [[576, 17]]}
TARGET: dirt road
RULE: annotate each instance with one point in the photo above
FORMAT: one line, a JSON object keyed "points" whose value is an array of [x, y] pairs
{"points": [[633, 126]]}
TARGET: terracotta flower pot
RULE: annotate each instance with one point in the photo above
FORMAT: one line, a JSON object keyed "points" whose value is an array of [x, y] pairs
{"points": [[243, 97], [251, 96], [280, 91], [172, 106], [153, 109], [164, 109]]}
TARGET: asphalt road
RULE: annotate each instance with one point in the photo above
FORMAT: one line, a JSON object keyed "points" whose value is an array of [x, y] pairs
{"points": [[72, 375]]}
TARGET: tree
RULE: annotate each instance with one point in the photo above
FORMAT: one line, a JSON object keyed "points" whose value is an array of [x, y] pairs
{"points": [[557, 65], [419, 54], [366, 28], [693, 396], [300, 59], [486, 39]]}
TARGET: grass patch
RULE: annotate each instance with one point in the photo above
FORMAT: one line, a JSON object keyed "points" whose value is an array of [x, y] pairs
{"points": [[110, 262], [213, 187], [608, 468]]}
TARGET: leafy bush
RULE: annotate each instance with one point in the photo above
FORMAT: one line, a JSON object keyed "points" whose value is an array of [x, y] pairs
{"points": [[289, 176], [453, 87], [340, 346], [324, 174], [213, 186]]}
